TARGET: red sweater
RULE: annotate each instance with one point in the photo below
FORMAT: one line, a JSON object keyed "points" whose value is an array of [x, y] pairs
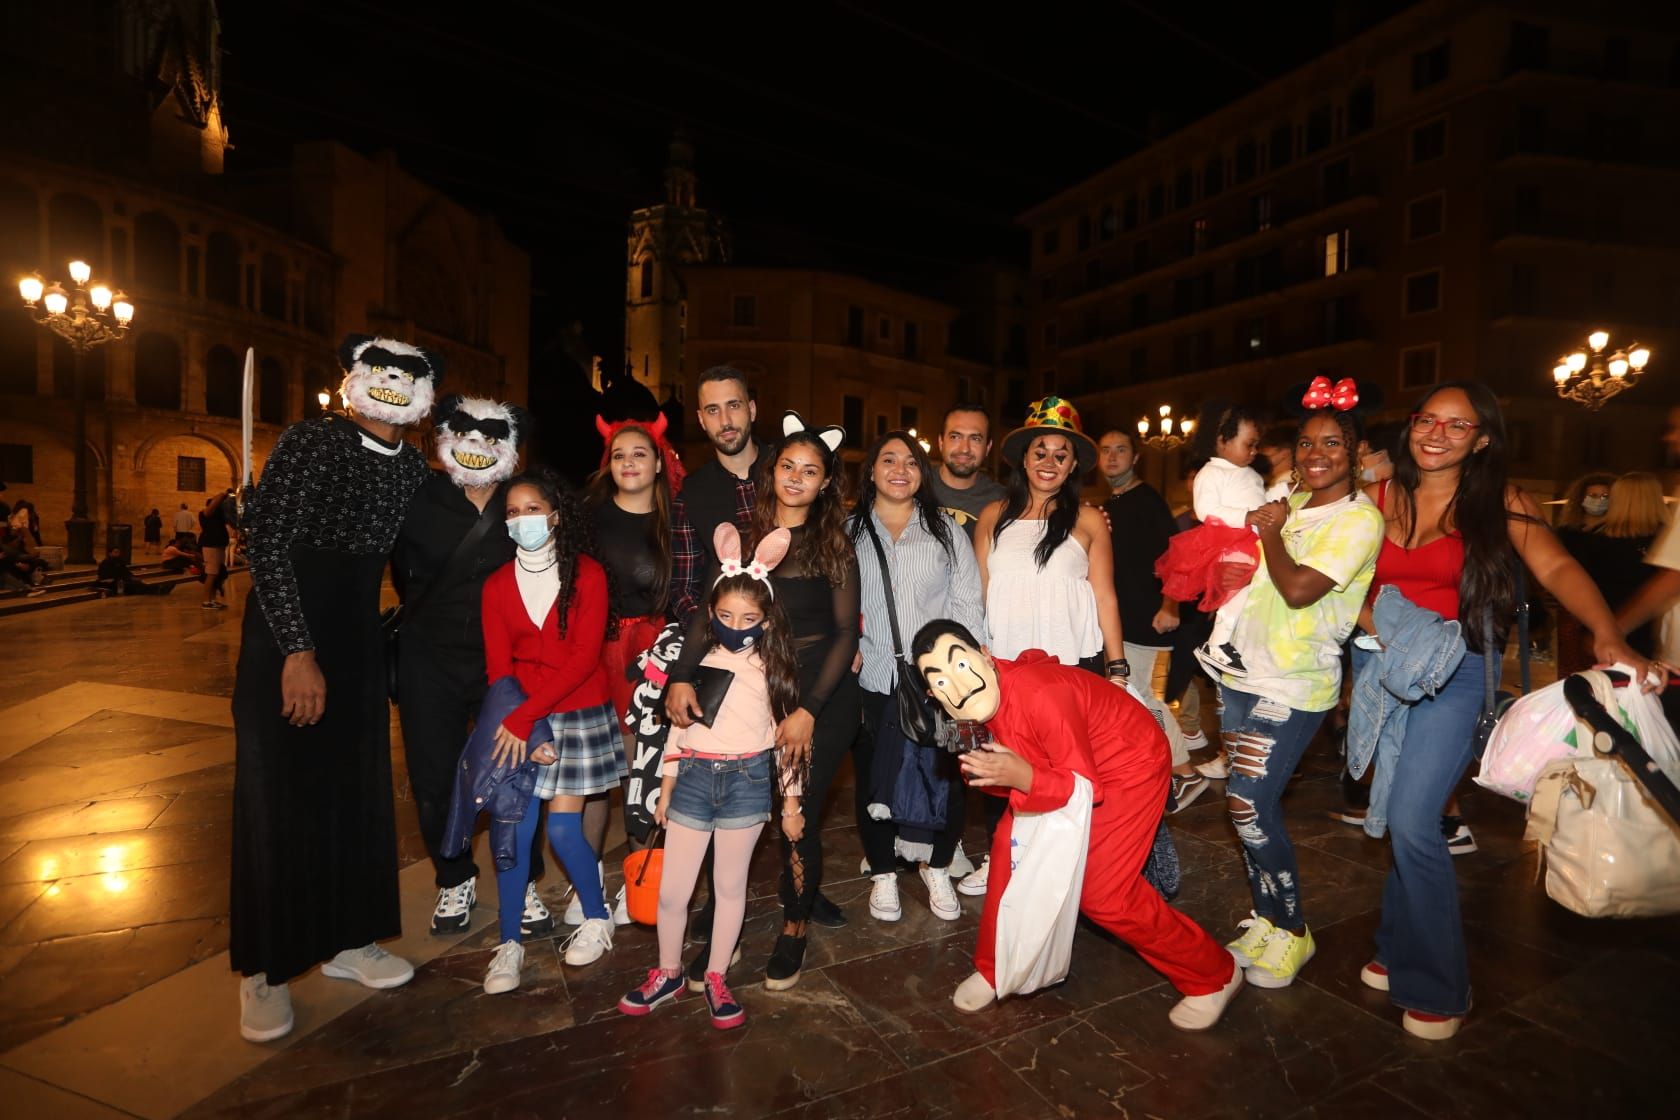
{"points": [[558, 674]]}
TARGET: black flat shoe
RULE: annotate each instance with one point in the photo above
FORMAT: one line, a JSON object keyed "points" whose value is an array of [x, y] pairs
{"points": [[787, 960], [697, 967], [827, 913]]}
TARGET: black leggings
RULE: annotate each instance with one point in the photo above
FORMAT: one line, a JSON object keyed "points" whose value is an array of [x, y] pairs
{"points": [[831, 740]]}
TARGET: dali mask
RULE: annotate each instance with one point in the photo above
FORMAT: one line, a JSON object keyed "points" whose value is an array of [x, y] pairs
{"points": [[961, 678], [387, 380], [478, 440]]}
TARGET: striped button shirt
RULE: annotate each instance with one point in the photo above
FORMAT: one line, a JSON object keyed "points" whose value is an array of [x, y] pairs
{"points": [[927, 584]]}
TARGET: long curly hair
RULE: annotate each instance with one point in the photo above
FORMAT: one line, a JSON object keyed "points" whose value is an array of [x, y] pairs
{"points": [[932, 517], [823, 548], [574, 536], [601, 489]]}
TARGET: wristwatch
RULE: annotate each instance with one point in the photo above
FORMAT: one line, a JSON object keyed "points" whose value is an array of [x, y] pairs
{"points": [[1120, 667]]}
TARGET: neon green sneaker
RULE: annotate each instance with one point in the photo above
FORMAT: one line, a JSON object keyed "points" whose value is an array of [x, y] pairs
{"points": [[1284, 955], [1248, 947]]}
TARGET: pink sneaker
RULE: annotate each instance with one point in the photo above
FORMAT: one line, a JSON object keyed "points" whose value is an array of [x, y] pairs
{"points": [[727, 1014]]}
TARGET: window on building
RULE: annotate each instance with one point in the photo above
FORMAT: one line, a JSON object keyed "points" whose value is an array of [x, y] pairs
{"points": [[744, 311], [1247, 162], [221, 269], [1260, 212], [1361, 109], [1336, 320], [157, 371], [851, 418], [189, 474], [854, 326], [1616, 58], [1423, 292], [1084, 232], [1107, 224], [1197, 236], [1430, 67], [1140, 309], [157, 253], [1318, 129], [1213, 176], [1531, 46], [1336, 181], [224, 382], [1139, 364], [907, 416], [1129, 213], [1419, 366], [1184, 189], [1425, 217], [1050, 242], [1281, 149], [315, 302], [645, 277], [1157, 202], [1531, 128], [1251, 336], [271, 392], [1200, 350], [1523, 277], [883, 329], [1050, 335], [17, 462], [1429, 141], [912, 340], [1140, 256], [1271, 270], [1336, 252], [271, 288]]}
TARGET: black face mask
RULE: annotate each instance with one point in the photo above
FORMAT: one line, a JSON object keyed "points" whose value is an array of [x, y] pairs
{"points": [[737, 640]]}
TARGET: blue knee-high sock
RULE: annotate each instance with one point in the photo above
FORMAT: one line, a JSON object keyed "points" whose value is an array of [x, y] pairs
{"points": [[565, 836], [510, 884]]}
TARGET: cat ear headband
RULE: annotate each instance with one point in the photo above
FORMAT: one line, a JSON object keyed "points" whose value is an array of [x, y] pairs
{"points": [[1342, 396], [831, 437], [727, 541]]}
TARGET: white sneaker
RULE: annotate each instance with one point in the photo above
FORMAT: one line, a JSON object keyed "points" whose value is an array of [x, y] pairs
{"points": [[454, 907], [942, 899], [961, 866], [370, 966], [883, 898], [265, 1013], [574, 904], [1198, 1013], [504, 968], [1217, 768], [974, 883], [593, 937], [621, 910], [1196, 740], [536, 920]]}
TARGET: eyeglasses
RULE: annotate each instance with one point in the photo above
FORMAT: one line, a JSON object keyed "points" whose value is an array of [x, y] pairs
{"points": [[1425, 422]]}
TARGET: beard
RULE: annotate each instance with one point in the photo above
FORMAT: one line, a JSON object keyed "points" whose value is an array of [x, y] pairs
{"points": [[963, 469], [731, 445]]}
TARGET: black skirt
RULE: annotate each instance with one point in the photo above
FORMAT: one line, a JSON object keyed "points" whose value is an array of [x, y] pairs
{"points": [[314, 832]]}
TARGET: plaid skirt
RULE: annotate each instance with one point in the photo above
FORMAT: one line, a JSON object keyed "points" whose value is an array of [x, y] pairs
{"points": [[591, 753]]}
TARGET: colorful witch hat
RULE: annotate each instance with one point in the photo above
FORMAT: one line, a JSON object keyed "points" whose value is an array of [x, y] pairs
{"points": [[1052, 415]]}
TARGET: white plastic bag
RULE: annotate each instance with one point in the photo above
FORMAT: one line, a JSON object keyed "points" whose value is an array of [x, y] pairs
{"points": [[1609, 852], [1534, 732], [1040, 906]]}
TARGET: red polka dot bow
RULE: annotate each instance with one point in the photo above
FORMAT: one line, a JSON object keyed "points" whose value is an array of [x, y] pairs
{"points": [[1341, 396]]}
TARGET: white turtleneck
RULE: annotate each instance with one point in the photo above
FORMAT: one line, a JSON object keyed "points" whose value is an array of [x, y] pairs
{"points": [[538, 577]]}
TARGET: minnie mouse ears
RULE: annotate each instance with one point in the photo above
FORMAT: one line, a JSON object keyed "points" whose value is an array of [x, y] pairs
{"points": [[1346, 394], [832, 436]]}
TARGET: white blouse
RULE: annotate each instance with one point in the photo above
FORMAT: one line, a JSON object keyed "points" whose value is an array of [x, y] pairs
{"points": [[1053, 609]]}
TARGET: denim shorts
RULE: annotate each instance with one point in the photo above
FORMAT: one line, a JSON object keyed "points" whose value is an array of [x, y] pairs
{"points": [[713, 794]]}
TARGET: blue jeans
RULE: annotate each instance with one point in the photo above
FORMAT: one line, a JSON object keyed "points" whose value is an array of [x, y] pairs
{"points": [[1420, 939], [1265, 740]]}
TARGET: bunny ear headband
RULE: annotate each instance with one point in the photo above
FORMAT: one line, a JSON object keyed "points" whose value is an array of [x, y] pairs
{"points": [[831, 437], [655, 429], [727, 541]]}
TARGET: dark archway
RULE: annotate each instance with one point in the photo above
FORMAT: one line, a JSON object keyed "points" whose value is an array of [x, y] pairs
{"points": [[221, 269], [157, 253], [157, 372], [20, 230], [271, 286], [271, 391], [223, 382], [19, 342], [64, 372]]}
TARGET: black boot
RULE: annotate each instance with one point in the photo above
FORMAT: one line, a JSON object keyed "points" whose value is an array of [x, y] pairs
{"points": [[786, 962], [827, 913]]}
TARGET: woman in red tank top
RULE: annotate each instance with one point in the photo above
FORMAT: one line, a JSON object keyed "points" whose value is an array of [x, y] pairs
{"points": [[1455, 533]]}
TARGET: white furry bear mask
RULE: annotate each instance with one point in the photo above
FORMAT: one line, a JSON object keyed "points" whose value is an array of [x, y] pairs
{"points": [[478, 440], [388, 380]]}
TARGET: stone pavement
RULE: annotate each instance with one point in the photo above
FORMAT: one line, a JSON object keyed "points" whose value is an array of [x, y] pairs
{"points": [[115, 998]]}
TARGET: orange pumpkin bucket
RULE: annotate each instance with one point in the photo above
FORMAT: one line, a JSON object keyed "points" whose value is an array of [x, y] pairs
{"points": [[641, 884]]}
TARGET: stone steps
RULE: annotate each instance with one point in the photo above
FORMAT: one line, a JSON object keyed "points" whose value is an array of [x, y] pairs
{"points": [[65, 588]]}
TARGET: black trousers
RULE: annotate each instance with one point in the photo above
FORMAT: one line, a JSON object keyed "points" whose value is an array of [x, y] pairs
{"points": [[831, 740], [438, 699], [878, 835]]}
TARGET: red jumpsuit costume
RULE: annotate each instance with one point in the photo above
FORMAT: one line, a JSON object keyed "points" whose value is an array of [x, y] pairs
{"points": [[1063, 720]]}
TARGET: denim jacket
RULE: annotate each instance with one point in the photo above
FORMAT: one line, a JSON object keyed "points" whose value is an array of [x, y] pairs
{"points": [[481, 785], [1421, 650]]}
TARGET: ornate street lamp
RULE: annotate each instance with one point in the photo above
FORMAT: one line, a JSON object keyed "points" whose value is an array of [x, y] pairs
{"points": [[89, 315], [1592, 376], [1164, 439]]}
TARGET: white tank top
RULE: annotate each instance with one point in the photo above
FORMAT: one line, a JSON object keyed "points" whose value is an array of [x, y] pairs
{"points": [[1053, 609]]}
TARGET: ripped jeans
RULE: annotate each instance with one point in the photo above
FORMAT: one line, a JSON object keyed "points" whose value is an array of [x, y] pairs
{"points": [[1265, 740]]}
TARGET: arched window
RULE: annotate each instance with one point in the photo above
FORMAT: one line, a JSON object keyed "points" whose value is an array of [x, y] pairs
{"points": [[19, 338], [157, 371], [272, 286], [64, 372], [315, 299], [20, 230], [223, 382], [221, 269], [75, 231], [271, 391], [157, 253], [647, 277]]}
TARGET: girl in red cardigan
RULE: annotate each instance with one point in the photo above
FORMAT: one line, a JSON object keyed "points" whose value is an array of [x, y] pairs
{"points": [[545, 619]]}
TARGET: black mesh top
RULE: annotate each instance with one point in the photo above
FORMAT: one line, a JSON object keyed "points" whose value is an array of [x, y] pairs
{"points": [[624, 544]]}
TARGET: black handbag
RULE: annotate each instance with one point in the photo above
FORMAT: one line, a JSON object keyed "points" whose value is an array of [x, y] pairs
{"points": [[711, 684], [916, 717], [391, 618]]}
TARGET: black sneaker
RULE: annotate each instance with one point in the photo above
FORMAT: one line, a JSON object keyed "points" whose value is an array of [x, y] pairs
{"points": [[727, 1012], [1231, 655], [1459, 840], [827, 913], [700, 926], [696, 971], [786, 963], [657, 989]]}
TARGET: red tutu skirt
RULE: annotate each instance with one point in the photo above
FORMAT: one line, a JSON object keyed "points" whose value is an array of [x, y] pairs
{"points": [[1196, 561], [618, 658]]}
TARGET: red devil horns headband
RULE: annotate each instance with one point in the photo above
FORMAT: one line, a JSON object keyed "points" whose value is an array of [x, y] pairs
{"points": [[1341, 396], [655, 431]]}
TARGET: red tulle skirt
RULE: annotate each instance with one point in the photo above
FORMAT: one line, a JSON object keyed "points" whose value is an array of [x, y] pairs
{"points": [[1197, 560], [618, 658]]}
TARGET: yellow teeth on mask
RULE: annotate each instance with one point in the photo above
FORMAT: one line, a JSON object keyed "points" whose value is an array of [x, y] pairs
{"points": [[473, 462], [389, 396]]}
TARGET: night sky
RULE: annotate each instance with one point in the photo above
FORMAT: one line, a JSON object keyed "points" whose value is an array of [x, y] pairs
{"points": [[897, 141]]}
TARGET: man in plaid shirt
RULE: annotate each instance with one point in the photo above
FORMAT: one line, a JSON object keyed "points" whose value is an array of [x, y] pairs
{"points": [[723, 489]]}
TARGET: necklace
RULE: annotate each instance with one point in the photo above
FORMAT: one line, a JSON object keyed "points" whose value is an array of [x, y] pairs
{"points": [[553, 559]]}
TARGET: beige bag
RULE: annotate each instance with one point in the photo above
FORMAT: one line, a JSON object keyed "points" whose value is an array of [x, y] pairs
{"points": [[1608, 851]]}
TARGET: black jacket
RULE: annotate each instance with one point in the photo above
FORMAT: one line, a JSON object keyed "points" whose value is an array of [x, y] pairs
{"points": [[447, 621]]}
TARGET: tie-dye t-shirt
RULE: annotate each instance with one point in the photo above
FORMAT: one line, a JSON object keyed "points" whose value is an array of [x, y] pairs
{"points": [[1295, 656]]}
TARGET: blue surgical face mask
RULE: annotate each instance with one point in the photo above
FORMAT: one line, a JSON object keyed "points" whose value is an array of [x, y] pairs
{"points": [[1594, 506], [737, 640], [529, 531]]}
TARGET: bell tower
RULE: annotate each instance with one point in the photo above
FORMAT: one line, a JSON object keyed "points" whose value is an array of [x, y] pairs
{"points": [[663, 240]]}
